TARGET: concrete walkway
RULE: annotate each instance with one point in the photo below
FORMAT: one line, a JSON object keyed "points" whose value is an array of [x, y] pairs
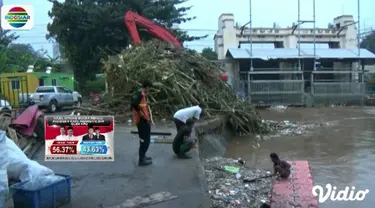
{"points": [[106, 184]]}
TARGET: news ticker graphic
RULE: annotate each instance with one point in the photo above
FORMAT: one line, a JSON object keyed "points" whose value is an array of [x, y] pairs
{"points": [[79, 138]]}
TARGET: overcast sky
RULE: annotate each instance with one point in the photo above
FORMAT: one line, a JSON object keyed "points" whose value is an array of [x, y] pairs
{"points": [[265, 13]]}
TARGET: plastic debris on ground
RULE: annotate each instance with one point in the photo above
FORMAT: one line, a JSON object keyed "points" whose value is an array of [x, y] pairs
{"points": [[41, 182], [232, 184]]}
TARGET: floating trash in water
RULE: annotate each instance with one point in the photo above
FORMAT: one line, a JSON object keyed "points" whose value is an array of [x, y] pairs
{"points": [[289, 128], [279, 108], [228, 190]]}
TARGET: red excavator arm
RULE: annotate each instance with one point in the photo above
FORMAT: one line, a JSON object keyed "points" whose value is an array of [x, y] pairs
{"points": [[131, 20]]}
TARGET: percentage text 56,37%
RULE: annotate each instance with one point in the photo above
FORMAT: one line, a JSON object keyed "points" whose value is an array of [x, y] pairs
{"points": [[63, 150]]}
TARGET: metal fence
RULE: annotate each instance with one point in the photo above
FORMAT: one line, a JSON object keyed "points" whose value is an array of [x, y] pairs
{"points": [[342, 87], [13, 92], [267, 88]]}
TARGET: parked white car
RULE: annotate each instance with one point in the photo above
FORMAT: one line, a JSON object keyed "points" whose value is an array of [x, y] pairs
{"points": [[55, 97]]}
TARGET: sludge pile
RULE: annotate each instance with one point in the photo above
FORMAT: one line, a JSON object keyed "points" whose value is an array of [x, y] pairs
{"points": [[181, 79], [231, 184]]}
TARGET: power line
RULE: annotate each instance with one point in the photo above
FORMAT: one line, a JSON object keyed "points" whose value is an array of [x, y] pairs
{"points": [[44, 35], [192, 29], [187, 45]]}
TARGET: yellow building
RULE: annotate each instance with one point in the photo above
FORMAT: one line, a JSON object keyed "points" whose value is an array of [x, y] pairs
{"points": [[16, 87]]}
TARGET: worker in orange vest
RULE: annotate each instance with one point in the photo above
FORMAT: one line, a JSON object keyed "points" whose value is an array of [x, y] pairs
{"points": [[142, 120]]}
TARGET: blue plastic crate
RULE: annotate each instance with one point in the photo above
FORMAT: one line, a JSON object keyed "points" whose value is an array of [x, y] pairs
{"points": [[51, 196]]}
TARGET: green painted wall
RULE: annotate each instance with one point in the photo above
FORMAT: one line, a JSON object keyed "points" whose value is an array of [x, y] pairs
{"points": [[61, 79]]}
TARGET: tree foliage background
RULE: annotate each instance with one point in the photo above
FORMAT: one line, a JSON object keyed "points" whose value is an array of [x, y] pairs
{"points": [[209, 53], [15, 57], [369, 42], [90, 30]]}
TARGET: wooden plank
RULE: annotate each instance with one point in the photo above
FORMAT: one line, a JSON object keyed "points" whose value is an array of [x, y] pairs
{"points": [[145, 201], [154, 133], [13, 135]]}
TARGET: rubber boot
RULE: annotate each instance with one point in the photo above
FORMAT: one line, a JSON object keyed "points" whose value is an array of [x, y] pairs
{"points": [[144, 162], [148, 158]]}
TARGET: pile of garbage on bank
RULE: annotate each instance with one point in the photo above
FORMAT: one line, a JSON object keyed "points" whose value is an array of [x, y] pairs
{"points": [[181, 78], [232, 184]]}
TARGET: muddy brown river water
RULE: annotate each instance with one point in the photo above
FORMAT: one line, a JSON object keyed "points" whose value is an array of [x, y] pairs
{"points": [[341, 152]]}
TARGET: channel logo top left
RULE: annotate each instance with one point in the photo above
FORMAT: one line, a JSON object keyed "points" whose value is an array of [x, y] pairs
{"points": [[17, 17]]}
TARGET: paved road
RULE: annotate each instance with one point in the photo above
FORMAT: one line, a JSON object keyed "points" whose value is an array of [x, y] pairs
{"points": [[103, 184]]}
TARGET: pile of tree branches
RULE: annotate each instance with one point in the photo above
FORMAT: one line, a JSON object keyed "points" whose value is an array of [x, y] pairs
{"points": [[181, 79]]}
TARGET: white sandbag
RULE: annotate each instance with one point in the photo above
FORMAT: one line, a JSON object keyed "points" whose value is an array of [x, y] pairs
{"points": [[4, 189], [41, 182], [18, 165], [16, 160], [3, 151], [34, 170]]}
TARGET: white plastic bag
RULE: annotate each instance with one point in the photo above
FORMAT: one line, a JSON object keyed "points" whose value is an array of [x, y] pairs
{"points": [[3, 151], [16, 160], [18, 165], [4, 189], [39, 182], [34, 170]]}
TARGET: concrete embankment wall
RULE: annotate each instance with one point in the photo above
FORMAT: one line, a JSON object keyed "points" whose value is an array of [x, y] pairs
{"points": [[213, 137]]}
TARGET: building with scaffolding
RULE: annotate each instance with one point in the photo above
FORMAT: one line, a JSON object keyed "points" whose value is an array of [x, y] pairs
{"points": [[289, 75], [341, 34]]}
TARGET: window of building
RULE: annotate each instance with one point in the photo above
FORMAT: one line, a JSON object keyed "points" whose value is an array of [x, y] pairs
{"points": [[15, 84], [41, 82], [54, 82]]}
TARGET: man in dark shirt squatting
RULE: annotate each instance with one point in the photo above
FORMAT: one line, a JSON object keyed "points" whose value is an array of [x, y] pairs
{"points": [[281, 167], [142, 120], [183, 143]]}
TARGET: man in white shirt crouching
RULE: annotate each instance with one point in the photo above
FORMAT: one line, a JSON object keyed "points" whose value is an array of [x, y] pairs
{"points": [[184, 114]]}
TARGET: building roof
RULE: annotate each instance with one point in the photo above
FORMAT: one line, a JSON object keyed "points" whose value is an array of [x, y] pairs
{"points": [[292, 53]]}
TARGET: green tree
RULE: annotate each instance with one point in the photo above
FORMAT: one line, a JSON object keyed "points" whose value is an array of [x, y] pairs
{"points": [[6, 38], [369, 42], [90, 30], [16, 57], [209, 53], [22, 55]]}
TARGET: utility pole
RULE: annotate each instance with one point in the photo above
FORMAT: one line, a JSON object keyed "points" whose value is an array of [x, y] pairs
{"points": [[251, 36], [359, 34], [314, 20], [299, 35]]}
